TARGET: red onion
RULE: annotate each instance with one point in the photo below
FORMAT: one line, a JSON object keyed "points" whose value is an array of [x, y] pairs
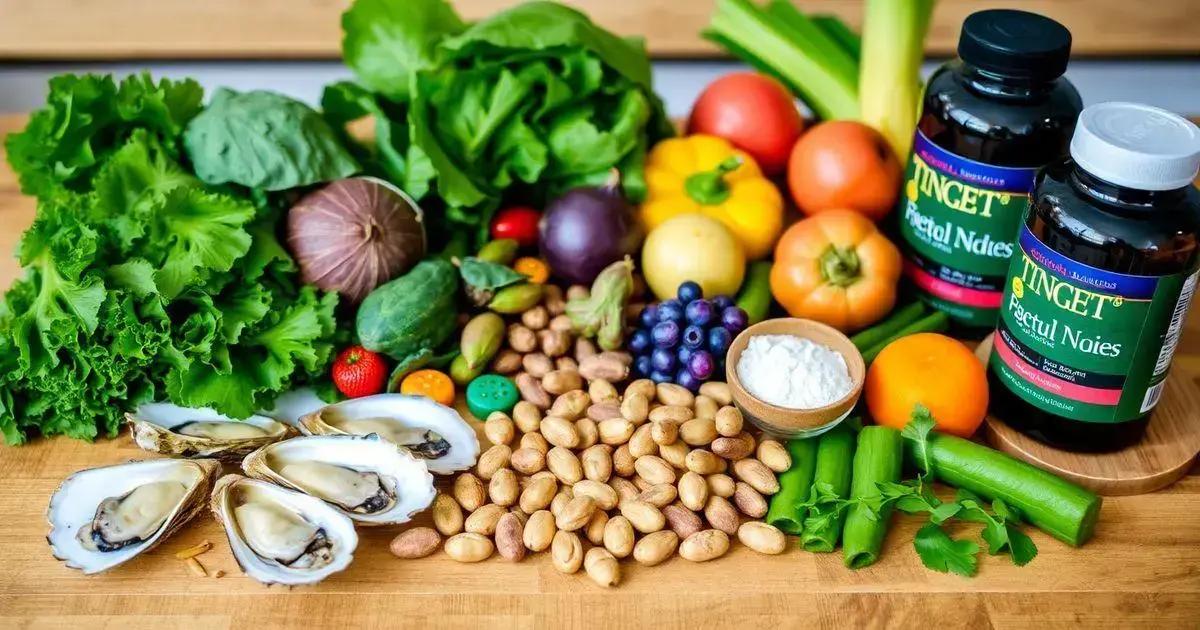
{"points": [[354, 235]]}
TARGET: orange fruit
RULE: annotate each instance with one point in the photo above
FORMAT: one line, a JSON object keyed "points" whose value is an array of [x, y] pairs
{"points": [[933, 370]]}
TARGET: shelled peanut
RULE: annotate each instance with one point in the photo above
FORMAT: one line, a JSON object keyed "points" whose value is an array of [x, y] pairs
{"points": [[595, 477]]}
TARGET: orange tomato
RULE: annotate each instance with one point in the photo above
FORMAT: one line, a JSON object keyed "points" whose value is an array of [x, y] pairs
{"points": [[933, 370], [431, 384], [836, 268], [844, 164]]}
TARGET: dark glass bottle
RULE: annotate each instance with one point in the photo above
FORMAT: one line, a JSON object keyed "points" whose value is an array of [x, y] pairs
{"points": [[989, 120], [1101, 281]]}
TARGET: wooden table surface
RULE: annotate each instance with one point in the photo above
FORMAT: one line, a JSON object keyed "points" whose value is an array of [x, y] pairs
{"points": [[1142, 568]]}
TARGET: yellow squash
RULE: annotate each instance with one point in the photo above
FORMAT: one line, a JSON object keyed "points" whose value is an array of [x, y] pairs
{"points": [[705, 174]]}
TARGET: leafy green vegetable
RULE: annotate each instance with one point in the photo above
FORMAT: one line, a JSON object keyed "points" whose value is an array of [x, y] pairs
{"points": [[482, 275], [141, 282], [264, 140], [940, 552], [534, 100]]}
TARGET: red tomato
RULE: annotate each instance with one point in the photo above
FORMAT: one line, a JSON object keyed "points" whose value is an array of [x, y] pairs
{"points": [[754, 112], [844, 164], [519, 223]]}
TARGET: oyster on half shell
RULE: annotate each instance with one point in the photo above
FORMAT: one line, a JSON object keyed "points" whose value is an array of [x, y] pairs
{"points": [[371, 480], [281, 536], [428, 430], [173, 430], [102, 517]]}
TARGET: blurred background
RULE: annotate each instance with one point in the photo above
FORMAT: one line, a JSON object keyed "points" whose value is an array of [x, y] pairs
{"points": [[1147, 50]]}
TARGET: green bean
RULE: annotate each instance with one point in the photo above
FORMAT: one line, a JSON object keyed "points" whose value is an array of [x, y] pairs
{"points": [[785, 512], [835, 452], [878, 459]]}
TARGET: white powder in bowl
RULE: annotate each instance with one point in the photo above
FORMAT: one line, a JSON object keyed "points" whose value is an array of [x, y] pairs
{"points": [[793, 372]]}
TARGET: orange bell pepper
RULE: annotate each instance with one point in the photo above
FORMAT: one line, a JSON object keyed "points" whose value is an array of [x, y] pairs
{"points": [[837, 268]]}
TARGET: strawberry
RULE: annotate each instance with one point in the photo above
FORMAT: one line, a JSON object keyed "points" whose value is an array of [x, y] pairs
{"points": [[359, 372]]}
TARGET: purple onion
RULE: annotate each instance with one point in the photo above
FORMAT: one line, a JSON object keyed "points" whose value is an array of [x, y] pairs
{"points": [[701, 365], [585, 230], [665, 334]]}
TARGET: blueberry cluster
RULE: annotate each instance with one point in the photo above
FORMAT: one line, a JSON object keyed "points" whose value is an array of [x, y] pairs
{"points": [[684, 340]]}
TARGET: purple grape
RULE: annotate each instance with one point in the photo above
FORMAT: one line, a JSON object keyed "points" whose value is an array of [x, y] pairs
{"points": [[649, 316], [665, 334], [684, 377], [660, 377], [693, 336], [641, 366], [718, 340], [722, 302], [734, 319], [683, 354], [640, 341], [662, 359], [701, 365], [689, 291], [699, 312], [670, 311]]}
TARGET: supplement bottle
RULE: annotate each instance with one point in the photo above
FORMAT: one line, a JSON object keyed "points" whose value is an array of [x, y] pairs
{"points": [[1100, 282], [989, 120]]}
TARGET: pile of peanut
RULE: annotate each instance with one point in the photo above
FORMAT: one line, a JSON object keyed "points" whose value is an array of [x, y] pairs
{"points": [[544, 356], [655, 471]]}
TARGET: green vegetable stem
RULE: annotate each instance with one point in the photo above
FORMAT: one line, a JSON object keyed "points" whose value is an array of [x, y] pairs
{"points": [[933, 322], [883, 331], [755, 296], [877, 460], [823, 527], [787, 508]]}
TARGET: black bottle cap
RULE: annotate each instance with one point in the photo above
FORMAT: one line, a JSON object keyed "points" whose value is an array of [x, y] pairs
{"points": [[1015, 44]]}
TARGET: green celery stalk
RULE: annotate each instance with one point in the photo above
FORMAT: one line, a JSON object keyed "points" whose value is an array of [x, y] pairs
{"points": [[889, 86], [794, 486], [811, 63], [837, 30], [835, 453], [880, 453], [900, 318], [936, 321]]}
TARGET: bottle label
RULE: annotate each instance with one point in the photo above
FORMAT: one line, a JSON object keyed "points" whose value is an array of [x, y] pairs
{"points": [[1084, 343], [958, 218]]}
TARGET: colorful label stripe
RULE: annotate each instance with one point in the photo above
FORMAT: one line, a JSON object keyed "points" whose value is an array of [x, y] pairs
{"points": [[1007, 350], [1015, 180], [951, 292], [1077, 273]]}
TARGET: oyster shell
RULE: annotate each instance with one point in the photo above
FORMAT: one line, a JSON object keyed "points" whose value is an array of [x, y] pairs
{"points": [[433, 432], [371, 480], [173, 430], [102, 517], [281, 536]]}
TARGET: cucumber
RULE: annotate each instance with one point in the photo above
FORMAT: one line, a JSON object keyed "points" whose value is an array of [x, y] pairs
{"points": [[794, 486], [755, 296], [835, 451], [1048, 502], [878, 459]]}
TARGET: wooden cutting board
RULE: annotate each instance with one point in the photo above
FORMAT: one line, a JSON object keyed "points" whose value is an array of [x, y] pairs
{"points": [[1142, 568]]}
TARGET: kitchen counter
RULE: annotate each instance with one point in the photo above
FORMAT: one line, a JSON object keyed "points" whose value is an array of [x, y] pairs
{"points": [[1142, 568]]}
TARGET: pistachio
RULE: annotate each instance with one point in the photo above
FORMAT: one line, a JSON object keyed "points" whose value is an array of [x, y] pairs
{"points": [[749, 501], [655, 548], [539, 531], [559, 432], [602, 567], [672, 394], [720, 513], [704, 545], [693, 491], [527, 461], [618, 536], [417, 542], [469, 492], [729, 421], [481, 339], [757, 475], [762, 537], [502, 489], [526, 416], [538, 494], [516, 298], [493, 459], [483, 521], [597, 463], [774, 456], [510, 543], [566, 552], [468, 547], [499, 428], [644, 517], [564, 464], [602, 493], [681, 520], [447, 515], [717, 391]]}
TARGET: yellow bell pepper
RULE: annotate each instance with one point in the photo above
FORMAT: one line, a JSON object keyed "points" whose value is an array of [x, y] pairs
{"points": [[706, 174]]}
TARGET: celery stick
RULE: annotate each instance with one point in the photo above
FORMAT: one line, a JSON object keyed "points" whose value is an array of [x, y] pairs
{"points": [[876, 334], [794, 486], [893, 45], [835, 452], [830, 88], [837, 30], [1048, 502], [880, 453], [934, 322]]}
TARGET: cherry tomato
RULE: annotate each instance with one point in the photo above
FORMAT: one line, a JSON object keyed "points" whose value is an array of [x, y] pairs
{"points": [[519, 223], [754, 112]]}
